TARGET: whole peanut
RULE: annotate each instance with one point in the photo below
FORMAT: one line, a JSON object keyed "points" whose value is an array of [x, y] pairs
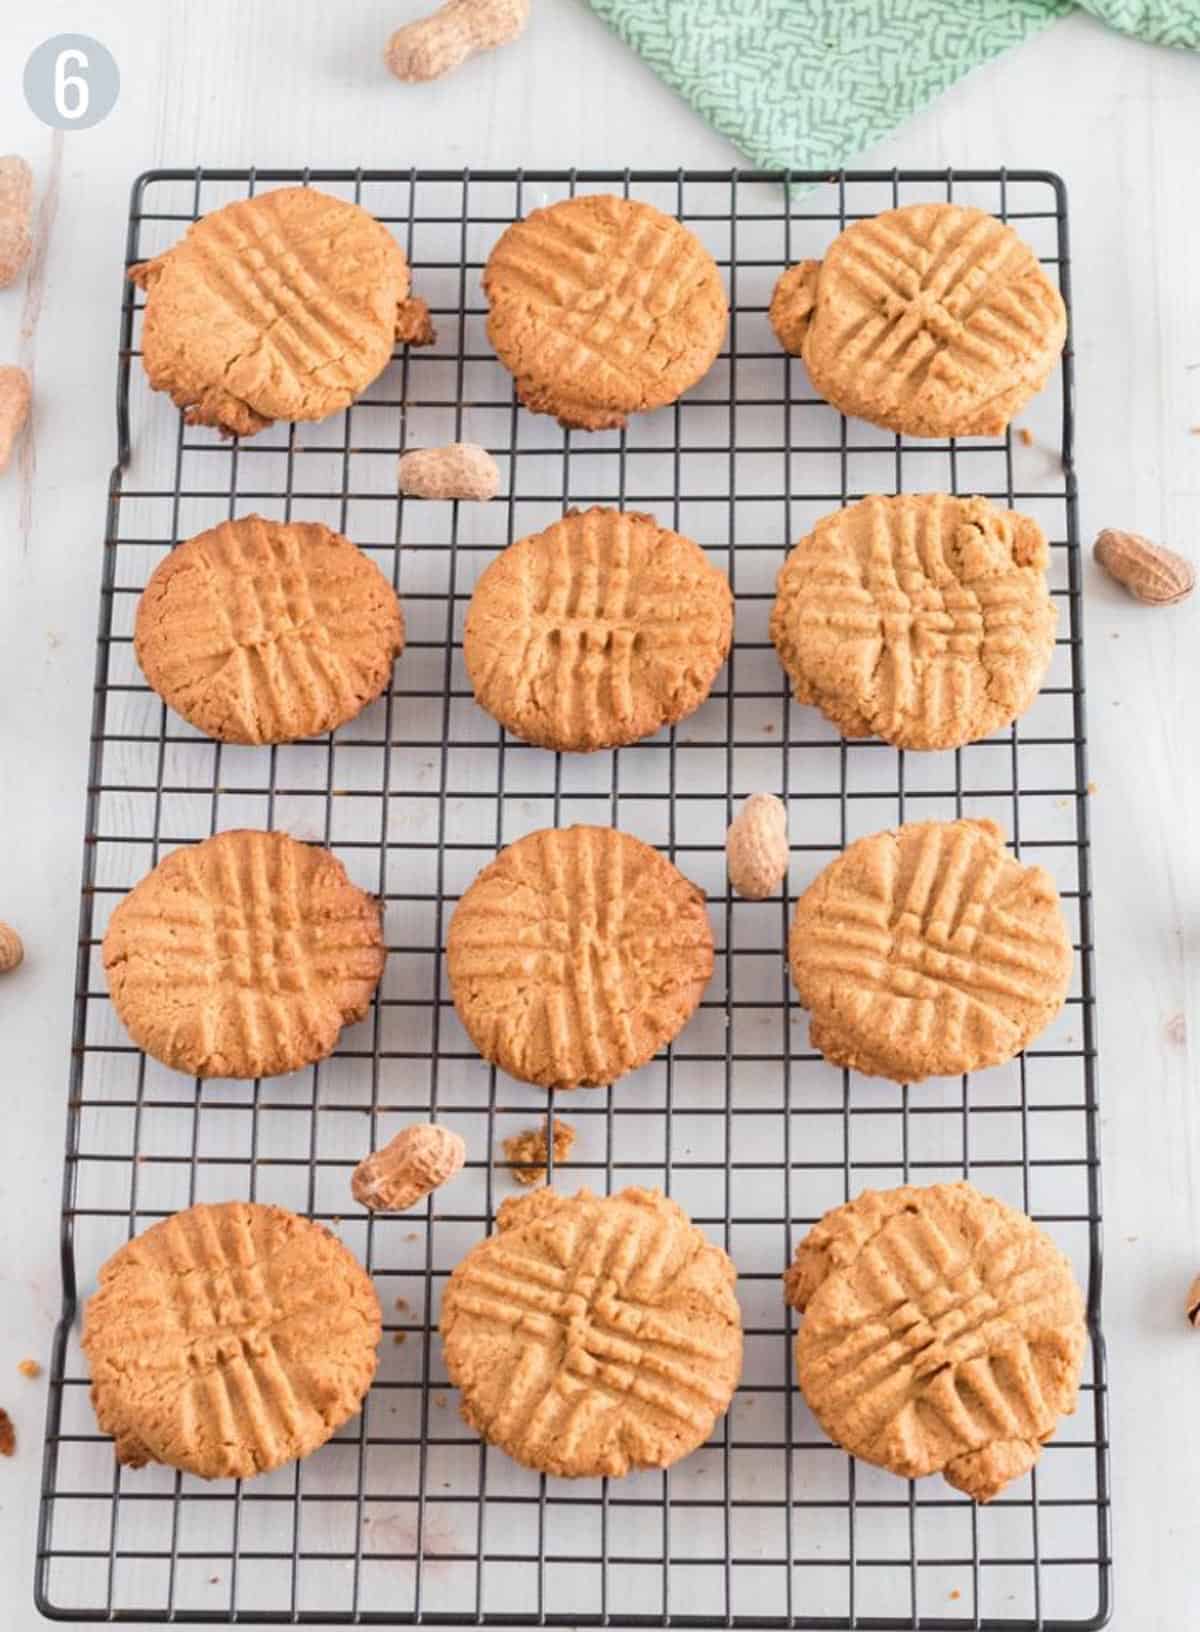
{"points": [[11, 949], [460, 471], [14, 409], [408, 1167], [438, 44], [756, 847], [16, 210], [1150, 572]]}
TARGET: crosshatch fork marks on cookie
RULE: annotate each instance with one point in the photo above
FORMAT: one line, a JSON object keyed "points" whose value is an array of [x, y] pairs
{"points": [[597, 631], [233, 1338], [930, 950], [932, 319], [601, 308], [405, 1519], [285, 306], [599, 1335], [973, 278], [922, 618], [576, 954], [260, 631], [243, 956], [941, 1331]]}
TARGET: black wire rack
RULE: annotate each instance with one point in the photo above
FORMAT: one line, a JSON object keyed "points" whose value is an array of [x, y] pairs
{"points": [[405, 1517]]}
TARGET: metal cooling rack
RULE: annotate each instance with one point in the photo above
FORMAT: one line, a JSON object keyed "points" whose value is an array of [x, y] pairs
{"points": [[405, 1516]]}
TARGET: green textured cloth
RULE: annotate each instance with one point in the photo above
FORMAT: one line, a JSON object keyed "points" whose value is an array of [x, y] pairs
{"points": [[810, 83]]}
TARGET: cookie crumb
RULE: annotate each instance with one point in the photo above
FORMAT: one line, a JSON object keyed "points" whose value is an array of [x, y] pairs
{"points": [[401, 1304], [1176, 1030], [528, 1151], [8, 1434], [29, 1368], [439, 1399], [1091, 787], [1026, 436], [399, 1337], [214, 1580], [954, 1592], [413, 1235]]}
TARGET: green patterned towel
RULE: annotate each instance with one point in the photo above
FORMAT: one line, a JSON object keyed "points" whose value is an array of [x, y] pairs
{"points": [[810, 83]]}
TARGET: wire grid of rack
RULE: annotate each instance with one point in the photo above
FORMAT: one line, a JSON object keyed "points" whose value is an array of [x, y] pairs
{"points": [[405, 1516]]}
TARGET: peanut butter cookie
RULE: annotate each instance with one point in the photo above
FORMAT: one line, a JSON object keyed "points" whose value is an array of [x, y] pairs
{"points": [[267, 631], [229, 1339], [597, 632], [927, 951], [602, 307], [243, 956], [592, 1335], [576, 955], [284, 306], [943, 1332], [922, 619], [934, 320]]}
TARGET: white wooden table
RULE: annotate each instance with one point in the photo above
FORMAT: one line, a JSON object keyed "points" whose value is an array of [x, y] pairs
{"points": [[226, 83]]}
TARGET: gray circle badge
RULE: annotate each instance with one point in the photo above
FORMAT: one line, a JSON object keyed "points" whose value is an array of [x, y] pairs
{"points": [[71, 82]]}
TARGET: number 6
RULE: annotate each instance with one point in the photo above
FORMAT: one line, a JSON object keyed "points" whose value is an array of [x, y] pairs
{"points": [[63, 81]]}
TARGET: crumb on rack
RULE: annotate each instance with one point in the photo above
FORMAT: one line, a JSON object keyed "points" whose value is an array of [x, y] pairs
{"points": [[401, 1304], [29, 1368], [1091, 787], [1026, 436], [528, 1151], [8, 1434], [399, 1337], [439, 1399]]}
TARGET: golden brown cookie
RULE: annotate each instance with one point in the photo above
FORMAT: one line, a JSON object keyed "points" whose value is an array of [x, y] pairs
{"points": [[934, 320], [576, 955], [268, 631], [927, 950], [229, 1339], [922, 619], [943, 1332], [284, 306], [243, 956], [593, 1334], [597, 632], [602, 307]]}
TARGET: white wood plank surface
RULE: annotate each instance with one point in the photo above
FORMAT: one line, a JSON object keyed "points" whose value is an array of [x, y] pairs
{"points": [[225, 82]]}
